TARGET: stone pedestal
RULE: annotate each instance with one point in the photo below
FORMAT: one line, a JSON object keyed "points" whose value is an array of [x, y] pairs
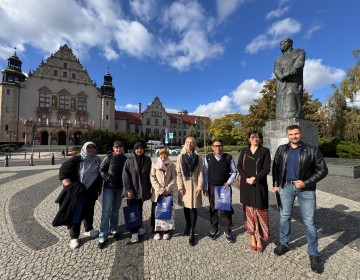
{"points": [[275, 133]]}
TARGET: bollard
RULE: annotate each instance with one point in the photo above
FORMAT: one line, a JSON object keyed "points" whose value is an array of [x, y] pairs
{"points": [[6, 161], [31, 161], [25, 156], [53, 159]]}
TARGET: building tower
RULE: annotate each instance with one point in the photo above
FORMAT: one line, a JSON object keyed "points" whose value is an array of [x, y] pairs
{"points": [[108, 104], [12, 76]]}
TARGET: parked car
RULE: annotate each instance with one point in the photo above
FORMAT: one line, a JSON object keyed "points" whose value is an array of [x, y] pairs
{"points": [[174, 150]]}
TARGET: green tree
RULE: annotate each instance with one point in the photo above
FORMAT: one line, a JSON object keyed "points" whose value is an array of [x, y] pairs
{"points": [[227, 128], [351, 84], [191, 132]]}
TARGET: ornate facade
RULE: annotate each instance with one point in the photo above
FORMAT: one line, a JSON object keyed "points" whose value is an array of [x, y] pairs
{"points": [[58, 102]]}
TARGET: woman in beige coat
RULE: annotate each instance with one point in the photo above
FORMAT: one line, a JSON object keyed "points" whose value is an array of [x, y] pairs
{"points": [[189, 168], [163, 181]]}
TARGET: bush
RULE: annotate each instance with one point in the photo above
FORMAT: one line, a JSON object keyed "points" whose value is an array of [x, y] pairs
{"points": [[347, 149], [328, 147]]}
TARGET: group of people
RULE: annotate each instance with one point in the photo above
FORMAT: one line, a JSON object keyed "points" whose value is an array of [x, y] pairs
{"points": [[296, 169]]}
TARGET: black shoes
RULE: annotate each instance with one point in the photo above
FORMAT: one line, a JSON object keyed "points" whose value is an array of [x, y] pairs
{"points": [[281, 250], [186, 232], [213, 234], [102, 245], [315, 264], [192, 239], [117, 235]]}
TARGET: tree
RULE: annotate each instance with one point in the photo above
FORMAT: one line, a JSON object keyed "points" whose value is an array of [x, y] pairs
{"points": [[351, 85], [191, 132], [227, 128]]}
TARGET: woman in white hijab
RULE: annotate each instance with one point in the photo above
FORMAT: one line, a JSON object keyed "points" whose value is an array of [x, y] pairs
{"points": [[83, 169]]}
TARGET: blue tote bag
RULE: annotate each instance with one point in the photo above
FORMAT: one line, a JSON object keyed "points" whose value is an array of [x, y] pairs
{"points": [[132, 216], [164, 207], [222, 198]]}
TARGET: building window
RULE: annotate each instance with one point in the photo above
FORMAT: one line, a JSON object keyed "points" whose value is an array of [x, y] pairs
{"points": [[65, 74], [82, 103], [44, 100], [8, 91], [107, 103], [73, 75], [7, 109], [64, 102], [6, 127], [164, 122], [116, 125], [56, 72], [156, 122], [65, 65], [107, 117], [148, 131], [156, 132], [148, 121]]}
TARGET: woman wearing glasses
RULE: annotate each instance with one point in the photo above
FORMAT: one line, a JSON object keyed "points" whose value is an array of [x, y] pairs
{"points": [[254, 166]]}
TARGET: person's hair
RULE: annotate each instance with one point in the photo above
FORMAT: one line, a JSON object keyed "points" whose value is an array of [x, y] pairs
{"points": [[183, 150], [118, 143], [218, 140], [255, 132], [163, 151], [292, 127]]}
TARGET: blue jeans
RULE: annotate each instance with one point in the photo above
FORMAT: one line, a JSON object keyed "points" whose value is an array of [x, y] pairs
{"points": [[307, 203], [111, 203]]}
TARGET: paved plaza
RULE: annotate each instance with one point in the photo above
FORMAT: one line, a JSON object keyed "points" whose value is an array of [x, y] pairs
{"points": [[31, 248]]}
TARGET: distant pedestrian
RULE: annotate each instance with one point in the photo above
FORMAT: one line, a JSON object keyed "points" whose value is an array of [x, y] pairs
{"points": [[163, 181], [136, 182], [219, 170], [254, 166], [297, 167], [111, 171], [82, 169], [190, 181]]}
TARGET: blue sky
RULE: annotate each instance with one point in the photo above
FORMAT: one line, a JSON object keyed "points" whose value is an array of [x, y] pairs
{"points": [[209, 57]]}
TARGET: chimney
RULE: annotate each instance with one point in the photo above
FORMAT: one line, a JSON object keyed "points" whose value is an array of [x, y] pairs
{"points": [[139, 108]]}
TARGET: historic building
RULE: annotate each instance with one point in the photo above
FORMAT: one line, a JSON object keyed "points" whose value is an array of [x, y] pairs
{"points": [[58, 102]]}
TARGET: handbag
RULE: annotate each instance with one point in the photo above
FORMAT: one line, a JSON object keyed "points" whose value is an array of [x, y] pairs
{"points": [[164, 207], [132, 216], [222, 198], [165, 225], [239, 176]]}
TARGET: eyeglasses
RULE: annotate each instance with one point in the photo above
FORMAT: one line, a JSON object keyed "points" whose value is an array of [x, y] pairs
{"points": [[217, 146]]}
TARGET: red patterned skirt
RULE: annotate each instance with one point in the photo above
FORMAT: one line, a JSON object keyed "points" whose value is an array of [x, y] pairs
{"points": [[256, 222]]}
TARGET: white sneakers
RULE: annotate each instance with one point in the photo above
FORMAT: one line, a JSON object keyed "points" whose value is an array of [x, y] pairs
{"points": [[166, 236], [134, 238], [91, 233], [157, 236], [74, 243], [141, 231]]}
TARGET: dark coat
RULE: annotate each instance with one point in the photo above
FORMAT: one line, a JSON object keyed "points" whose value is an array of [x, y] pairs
{"points": [[67, 202], [135, 180], [257, 165], [70, 170], [111, 171]]}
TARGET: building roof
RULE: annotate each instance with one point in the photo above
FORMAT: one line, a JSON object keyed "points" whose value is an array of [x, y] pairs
{"points": [[186, 119], [130, 117]]}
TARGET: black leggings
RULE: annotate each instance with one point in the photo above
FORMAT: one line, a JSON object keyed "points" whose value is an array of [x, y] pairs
{"points": [[190, 218]]}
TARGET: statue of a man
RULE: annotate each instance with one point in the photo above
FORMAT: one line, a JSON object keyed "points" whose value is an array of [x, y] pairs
{"points": [[288, 71]]}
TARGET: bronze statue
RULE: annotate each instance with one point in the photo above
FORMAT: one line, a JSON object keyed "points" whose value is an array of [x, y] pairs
{"points": [[288, 71]]}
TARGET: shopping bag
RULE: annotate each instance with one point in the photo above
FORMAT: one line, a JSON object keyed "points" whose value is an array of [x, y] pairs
{"points": [[222, 198], [132, 216], [165, 225], [163, 207]]}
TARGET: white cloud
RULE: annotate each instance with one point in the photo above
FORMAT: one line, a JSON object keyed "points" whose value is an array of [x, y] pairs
{"points": [[180, 37], [244, 95], [318, 75], [315, 27], [216, 109], [226, 7], [144, 9], [277, 13], [128, 107], [277, 31]]}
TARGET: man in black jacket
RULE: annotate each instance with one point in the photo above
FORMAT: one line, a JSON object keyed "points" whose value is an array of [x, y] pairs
{"points": [[297, 167]]}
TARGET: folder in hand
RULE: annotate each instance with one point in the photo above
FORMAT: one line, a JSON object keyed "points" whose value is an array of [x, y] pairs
{"points": [[278, 200]]}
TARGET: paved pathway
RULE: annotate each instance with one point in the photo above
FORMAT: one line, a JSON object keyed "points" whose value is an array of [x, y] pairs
{"points": [[30, 248]]}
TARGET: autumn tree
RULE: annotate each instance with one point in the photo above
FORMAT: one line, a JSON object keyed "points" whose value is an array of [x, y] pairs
{"points": [[227, 128]]}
